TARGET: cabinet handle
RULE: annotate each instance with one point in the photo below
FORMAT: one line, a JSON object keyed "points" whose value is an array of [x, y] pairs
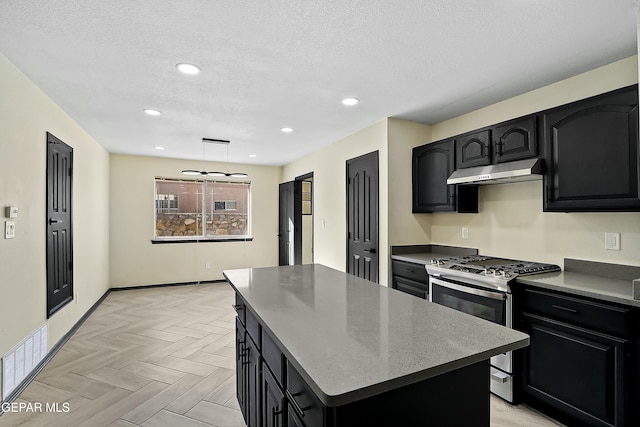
{"points": [[274, 414], [408, 270], [559, 307], [370, 251], [237, 307], [295, 405], [499, 147]]}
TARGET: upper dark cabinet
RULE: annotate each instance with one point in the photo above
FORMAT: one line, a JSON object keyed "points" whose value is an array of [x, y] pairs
{"points": [[473, 149], [591, 149], [515, 140], [432, 164], [504, 142]]}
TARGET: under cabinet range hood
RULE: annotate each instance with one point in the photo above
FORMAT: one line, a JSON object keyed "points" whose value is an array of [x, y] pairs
{"points": [[502, 173]]}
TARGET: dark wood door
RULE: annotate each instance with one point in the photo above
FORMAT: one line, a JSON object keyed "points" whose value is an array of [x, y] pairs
{"points": [[473, 149], [591, 150], [432, 164], [273, 402], [515, 140], [575, 371], [59, 224], [362, 216], [289, 228]]}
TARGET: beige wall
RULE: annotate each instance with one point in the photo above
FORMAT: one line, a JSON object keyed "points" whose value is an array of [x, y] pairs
{"points": [[329, 196], [26, 114], [511, 222], [135, 261]]}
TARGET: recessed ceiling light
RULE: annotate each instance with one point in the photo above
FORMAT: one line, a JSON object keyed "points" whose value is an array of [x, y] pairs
{"points": [[159, 148], [286, 129], [188, 68], [253, 155], [152, 112], [350, 101]]}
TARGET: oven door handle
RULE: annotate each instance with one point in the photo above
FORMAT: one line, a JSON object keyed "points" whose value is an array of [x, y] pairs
{"points": [[468, 290]]}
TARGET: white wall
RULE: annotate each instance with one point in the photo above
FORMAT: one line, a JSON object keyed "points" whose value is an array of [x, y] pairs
{"points": [[26, 114], [135, 261], [511, 222], [329, 194]]}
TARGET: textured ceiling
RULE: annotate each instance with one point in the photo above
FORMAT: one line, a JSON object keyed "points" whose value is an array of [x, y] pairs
{"points": [[269, 64]]}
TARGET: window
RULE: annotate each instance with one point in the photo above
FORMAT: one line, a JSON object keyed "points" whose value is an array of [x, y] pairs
{"points": [[197, 209]]}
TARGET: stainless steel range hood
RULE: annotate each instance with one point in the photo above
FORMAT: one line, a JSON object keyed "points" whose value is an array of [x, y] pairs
{"points": [[521, 170]]}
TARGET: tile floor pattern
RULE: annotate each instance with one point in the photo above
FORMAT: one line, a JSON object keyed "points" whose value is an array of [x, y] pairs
{"points": [[160, 357]]}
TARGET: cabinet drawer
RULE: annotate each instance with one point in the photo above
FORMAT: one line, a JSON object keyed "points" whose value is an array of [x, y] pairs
{"points": [[273, 357], [578, 311], [253, 328], [303, 400], [409, 270], [412, 287]]}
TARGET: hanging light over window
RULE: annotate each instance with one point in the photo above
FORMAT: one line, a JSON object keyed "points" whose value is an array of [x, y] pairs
{"points": [[206, 173]]}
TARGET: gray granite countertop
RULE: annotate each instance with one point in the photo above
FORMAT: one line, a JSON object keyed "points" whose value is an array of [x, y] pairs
{"points": [[587, 285], [351, 339]]}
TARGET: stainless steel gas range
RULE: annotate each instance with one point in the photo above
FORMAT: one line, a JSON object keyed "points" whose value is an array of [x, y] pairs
{"points": [[481, 286]]}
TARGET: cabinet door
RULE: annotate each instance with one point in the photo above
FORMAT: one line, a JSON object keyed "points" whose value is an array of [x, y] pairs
{"points": [[241, 375], [515, 140], [252, 369], [273, 402], [473, 149], [591, 150], [432, 165], [577, 372], [293, 420]]}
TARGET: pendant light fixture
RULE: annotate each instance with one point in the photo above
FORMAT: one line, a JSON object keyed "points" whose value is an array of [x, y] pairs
{"points": [[205, 173]]}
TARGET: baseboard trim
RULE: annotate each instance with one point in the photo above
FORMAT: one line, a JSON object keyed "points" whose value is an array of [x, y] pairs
{"points": [[58, 346]]}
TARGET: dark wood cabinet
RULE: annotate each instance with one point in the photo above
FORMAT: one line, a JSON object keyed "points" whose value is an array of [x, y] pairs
{"points": [[591, 150], [273, 400], [578, 361], [473, 149], [432, 164], [515, 140], [410, 278], [504, 142], [241, 373], [253, 374]]}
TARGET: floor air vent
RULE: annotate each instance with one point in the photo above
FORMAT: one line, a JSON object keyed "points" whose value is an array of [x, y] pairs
{"points": [[21, 360]]}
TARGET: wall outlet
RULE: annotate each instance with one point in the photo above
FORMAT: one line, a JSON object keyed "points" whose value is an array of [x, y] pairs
{"points": [[207, 265], [612, 241], [465, 232]]}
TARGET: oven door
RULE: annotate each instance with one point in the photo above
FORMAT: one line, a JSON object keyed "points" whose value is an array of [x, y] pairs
{"points": [[486, 304], [481, 303]]}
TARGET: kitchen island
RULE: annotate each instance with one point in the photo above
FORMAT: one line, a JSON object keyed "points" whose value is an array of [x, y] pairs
{"points": [[316, 346]]}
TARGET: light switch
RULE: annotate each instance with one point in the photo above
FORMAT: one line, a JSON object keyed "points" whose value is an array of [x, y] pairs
{"points": [[9, 229]]}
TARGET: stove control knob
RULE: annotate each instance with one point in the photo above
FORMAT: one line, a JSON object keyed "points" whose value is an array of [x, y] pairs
{"points": [[506, 274], [498, 272], [434, 261], [488, 271]]}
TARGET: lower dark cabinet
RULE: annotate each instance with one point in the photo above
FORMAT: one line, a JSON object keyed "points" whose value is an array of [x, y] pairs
{"points": [[575, 371], [252, 369], [273, 400], [412, 287], [241, 373]]}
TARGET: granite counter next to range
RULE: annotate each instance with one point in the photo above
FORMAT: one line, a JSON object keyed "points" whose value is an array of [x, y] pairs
{"points": [[365, 351]]}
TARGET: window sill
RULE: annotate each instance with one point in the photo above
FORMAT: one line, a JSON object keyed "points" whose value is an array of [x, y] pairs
{"points": [[202, 240]]}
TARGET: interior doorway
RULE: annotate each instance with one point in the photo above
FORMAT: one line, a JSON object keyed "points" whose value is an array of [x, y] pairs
{"points": [[295, 217]]}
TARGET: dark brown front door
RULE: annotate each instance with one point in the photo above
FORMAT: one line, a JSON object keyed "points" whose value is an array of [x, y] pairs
{"points": [[59, 235], [362, 216]]}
